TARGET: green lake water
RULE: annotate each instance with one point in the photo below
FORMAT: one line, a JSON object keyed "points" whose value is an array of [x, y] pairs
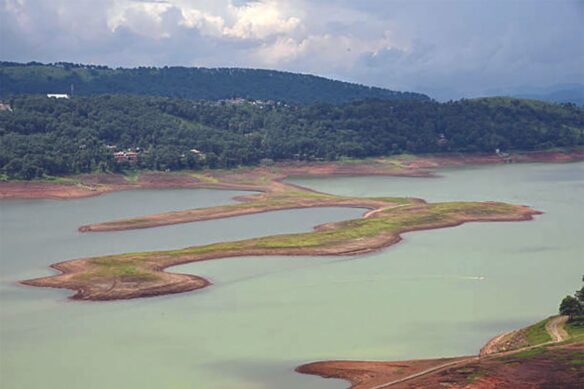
{"points": [[437, 293]]}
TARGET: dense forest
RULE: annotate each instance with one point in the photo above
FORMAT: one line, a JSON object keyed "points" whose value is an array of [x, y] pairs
{"points": [[42, 136], [191, 83]]}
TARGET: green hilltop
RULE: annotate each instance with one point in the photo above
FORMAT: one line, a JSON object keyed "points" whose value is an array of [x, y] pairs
{"points": [[186, 82]]}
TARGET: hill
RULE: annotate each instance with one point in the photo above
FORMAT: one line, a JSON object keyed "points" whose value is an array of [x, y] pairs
{"points": [[42, 136], [192, 83]]}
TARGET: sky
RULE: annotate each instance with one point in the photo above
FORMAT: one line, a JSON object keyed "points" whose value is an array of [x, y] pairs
{"points": [[445, 48]]}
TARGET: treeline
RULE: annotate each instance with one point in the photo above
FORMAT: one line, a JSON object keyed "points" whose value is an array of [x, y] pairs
{"points": [[42, 136], [191, 83]]}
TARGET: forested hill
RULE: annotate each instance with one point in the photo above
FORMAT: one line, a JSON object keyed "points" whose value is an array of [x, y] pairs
{"points": [[46, 136], [192, 83]]}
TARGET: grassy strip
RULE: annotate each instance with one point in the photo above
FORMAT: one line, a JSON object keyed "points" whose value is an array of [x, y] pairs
{"points": [[394, 221], [575, 328], [526, 354]]}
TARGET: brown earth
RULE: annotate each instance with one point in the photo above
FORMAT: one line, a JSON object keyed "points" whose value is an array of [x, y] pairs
{"points": [[367, 375], [557, 366], [45, 190]]}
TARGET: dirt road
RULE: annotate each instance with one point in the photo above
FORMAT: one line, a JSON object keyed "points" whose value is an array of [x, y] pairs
{"points": [[424, 372], [555, 327]]}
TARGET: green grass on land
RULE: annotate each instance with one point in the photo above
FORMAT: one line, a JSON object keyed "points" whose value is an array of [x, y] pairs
{"points": [[575, 328], [394, 220], [537, 334], [526, 354], [113, 266]]}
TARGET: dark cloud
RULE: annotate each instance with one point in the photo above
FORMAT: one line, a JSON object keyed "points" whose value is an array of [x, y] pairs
{"points": [[446, 48]]}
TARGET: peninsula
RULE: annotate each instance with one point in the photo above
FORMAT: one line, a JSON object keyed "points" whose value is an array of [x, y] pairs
{"points": [[133, 275]]}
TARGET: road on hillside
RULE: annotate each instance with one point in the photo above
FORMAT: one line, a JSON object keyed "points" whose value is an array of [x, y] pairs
{"points": [[554, 327]]}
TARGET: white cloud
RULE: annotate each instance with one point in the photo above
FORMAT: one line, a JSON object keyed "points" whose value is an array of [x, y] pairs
{"points": [[254, 20], [463, 48], [260, 19], [202, 21], [141, 17]]}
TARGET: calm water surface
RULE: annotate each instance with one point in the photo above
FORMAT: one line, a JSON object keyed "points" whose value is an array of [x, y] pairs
{"points": [[442, 292]]}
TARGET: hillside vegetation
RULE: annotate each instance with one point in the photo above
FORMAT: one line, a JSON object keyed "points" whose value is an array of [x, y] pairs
{"points": [[42, 136], [192, 83]]}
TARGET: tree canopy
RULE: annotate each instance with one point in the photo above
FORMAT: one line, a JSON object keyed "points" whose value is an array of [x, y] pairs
{"points": [[573, 306], [192, 83], [45, 136]]}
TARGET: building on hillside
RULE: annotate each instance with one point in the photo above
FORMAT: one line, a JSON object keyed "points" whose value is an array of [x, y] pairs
{"points": [[57, 96], [5, 107], [126, 156], [198, 153]]}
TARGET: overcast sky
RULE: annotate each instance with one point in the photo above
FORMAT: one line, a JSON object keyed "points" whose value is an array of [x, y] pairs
{"points": [[448, 49]]}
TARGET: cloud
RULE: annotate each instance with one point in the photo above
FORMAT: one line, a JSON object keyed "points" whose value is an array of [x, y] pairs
{"points": [[445, 48], [260, 20]]}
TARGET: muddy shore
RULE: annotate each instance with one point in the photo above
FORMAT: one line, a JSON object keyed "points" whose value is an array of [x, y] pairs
{"points": [[557, 366], [246, 179], [552, 364]]}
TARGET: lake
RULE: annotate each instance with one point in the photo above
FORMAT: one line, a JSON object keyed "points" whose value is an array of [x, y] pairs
{"points": [[437, 293]]}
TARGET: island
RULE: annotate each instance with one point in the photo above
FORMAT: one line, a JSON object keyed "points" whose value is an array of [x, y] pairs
{"points": [[132, 275]]}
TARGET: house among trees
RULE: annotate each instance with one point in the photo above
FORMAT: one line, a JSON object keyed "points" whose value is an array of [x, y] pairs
{"points": [[126, 156], [198, 153]]}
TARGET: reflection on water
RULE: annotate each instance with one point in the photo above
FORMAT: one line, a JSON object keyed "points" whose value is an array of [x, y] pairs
{"points": [[441, 292]]}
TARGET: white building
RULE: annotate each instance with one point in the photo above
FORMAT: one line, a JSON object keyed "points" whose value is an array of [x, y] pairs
{"points": [[57, 96]]}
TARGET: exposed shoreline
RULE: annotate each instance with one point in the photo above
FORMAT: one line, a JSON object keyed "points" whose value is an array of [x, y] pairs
{"points": [[89, 185], [488, 370]]}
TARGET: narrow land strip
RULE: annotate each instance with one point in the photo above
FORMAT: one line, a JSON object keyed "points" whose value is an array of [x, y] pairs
{"points": [[134, 275]]}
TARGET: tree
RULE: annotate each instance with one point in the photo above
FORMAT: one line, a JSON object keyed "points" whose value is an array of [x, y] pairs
{"points": [[571, 307]]}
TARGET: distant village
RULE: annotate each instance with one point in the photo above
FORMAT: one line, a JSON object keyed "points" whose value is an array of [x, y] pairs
{"points": [[132, 154], [259, 103]]}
